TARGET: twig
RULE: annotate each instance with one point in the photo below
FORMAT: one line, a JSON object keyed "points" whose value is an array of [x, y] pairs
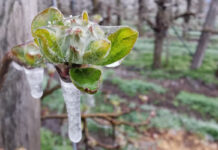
{"points": [[93, 115], [151, 24], [5, 67], [184, 15], [50, 91], [110, 117], [210, 30]]}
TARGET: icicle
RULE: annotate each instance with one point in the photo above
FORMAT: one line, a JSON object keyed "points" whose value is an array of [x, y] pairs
{"points": [[72, 99], [35, 79], [17, 66]]}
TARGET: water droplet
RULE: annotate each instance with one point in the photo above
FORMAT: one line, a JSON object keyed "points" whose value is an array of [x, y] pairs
{"points": [[72, 100], [115, 64], [35, 79]]}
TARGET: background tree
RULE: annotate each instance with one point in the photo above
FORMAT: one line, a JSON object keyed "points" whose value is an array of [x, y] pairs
{"points": [[205, 35], [118, 12], [162, 23], [187, 18], [19, 112], [142, 9]]}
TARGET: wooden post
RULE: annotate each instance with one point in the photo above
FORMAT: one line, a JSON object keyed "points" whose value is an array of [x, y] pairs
{"points": [[19, 112]]}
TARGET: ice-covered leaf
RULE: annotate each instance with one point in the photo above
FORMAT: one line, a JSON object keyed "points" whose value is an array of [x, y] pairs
{"points": [[50, 16], [96, 51], [122, 42], [27, 54], [49, 47], [86, 79]]}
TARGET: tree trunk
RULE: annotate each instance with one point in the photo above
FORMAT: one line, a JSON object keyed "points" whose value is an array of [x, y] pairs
{"points": [[205, 36], [95, 4], [201, 6], [118, 13], [141, 15], [161, 29], [19, 112], [158, 48], [187, 19]]}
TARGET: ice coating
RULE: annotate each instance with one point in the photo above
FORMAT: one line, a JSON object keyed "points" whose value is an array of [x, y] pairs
{"points": [[35, 79], [72, 100], [17, 66], [115, 64], [110, 29]]}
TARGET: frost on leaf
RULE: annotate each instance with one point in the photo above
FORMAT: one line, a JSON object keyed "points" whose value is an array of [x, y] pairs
{"points": [[27, 54]]}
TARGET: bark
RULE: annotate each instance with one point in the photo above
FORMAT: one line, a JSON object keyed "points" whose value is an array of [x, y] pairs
{"points": [[205, 36], [118, 12], [65, 6], [44, 4], [96, 6], [107, 20], [158, 48], [161, 29], [141, 15], [19, 112], [187, 19], [201, 6]]}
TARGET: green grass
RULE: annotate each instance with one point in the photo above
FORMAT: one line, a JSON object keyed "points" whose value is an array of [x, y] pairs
{"points": [[200, 103], [50, 141], [166, 119], [132, 87], [178, 65], [54, 101]]}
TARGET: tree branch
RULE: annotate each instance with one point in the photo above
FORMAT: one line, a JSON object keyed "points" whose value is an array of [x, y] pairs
{"points": [[4, 67], [93, 115], [184, 15], [50, 91], [212, 31], [112, 118], [150, 23]]}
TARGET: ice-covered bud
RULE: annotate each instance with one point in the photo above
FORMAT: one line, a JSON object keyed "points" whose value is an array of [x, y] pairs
{"points": [[85, 17]]}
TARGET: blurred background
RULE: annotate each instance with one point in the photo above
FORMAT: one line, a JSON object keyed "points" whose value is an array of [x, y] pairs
{"points": [[163, 96]]}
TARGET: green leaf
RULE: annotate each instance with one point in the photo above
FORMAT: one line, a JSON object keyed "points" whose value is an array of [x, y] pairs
{"points": [[96, 51], [122, 42], [48, 16], [28, 54], [86, 79], [47, 40]]}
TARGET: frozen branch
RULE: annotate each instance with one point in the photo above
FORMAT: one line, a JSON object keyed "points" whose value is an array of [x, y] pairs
{"points": [[4, 67]]}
